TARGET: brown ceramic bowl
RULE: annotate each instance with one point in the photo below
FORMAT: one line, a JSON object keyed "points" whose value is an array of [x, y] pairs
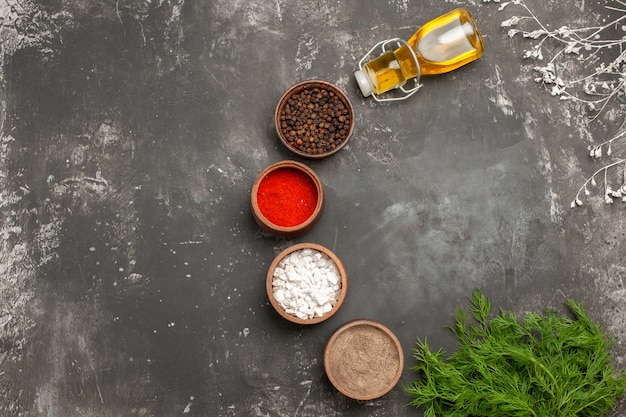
{"points": [[270, 223], [270, 281], [363, 359], [314, 119]]}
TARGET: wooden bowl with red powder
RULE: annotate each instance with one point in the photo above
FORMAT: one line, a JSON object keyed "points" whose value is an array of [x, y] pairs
{"points": [[287, 199], [363, 359]]}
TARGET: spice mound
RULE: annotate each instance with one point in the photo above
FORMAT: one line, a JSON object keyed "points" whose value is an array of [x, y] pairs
{"points": [[287, 197], [306, 283], [315, 120], [363, 360]]}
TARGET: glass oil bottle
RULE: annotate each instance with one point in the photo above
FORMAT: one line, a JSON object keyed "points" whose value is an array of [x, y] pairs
{"points": [[441, 45]]}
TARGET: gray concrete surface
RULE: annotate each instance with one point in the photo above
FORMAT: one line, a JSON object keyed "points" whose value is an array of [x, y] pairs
{"points": [[132, 272]]}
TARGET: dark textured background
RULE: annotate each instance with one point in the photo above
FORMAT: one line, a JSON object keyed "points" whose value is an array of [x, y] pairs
{"points": [[132, 272]]}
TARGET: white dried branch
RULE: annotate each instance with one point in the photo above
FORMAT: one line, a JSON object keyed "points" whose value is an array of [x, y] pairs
{"points": [[596, 89], [601, 85]]}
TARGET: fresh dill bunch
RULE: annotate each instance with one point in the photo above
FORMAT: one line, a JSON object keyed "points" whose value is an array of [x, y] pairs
{"points": [[537, 366]]}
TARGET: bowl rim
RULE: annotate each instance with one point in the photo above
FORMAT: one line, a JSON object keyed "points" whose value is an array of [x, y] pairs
{"points": [[295, 88], [287, 231], [347, 326], [270, 277]]}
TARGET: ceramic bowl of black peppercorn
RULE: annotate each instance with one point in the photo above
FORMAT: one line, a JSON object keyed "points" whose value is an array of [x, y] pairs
{"points": [[314, 119]]}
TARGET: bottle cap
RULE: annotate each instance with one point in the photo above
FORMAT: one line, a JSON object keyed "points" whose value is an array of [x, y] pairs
{"points": [[364, 83]]}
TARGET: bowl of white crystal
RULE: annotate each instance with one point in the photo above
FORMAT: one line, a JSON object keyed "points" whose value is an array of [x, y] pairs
{"points": [[306, 283]]}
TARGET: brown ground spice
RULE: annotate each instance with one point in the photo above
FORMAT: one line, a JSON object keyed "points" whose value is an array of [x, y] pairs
{"points": [[364, 360]]}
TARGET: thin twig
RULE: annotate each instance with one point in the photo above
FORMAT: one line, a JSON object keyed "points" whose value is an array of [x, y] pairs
{"points": [[601, 86]]}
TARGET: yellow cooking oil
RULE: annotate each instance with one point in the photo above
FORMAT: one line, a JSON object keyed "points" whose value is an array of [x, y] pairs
{"points": [[441, 45], [385, 72]]}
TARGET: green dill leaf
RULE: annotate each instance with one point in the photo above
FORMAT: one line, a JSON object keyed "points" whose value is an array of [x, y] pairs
{"points": [[480, 307], [537, 366]]}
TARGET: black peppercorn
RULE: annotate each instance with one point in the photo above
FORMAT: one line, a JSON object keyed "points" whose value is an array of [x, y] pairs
{"points": [[315, 120]]}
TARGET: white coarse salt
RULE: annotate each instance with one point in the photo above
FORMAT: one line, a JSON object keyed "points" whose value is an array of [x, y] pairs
{"points": [[306, 283]]}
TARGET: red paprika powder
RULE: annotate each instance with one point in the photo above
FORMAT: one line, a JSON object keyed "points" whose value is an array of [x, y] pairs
{"points": [[287, 197]]}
